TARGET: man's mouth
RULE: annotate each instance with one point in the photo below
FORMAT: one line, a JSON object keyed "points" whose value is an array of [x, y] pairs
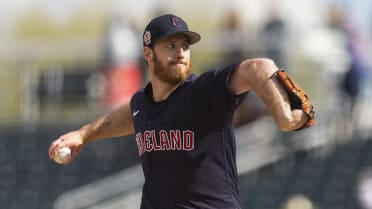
{"points": [[178, 63]]}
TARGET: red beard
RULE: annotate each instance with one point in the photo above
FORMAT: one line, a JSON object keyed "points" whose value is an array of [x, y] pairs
{"points": [[168, 75]]}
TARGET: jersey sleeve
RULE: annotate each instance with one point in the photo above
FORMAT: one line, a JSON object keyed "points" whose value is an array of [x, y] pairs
{"points": [[214, 93]]}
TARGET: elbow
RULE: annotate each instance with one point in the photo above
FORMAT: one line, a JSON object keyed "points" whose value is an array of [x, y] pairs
{"points": [[288, 124], [286, 127]]}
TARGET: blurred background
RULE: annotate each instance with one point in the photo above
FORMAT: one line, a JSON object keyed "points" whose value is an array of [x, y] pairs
{"points": [[64, 63]]}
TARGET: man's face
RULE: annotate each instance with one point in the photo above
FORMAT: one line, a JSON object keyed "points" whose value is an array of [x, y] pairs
{"points": [[171, 59]]}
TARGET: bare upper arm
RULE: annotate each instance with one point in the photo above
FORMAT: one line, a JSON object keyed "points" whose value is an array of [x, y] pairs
{"points": [[257, 75], [251, 73], [124, 120]]}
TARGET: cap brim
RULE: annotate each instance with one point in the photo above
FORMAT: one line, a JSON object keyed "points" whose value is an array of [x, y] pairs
{"points": [[193, 36]]}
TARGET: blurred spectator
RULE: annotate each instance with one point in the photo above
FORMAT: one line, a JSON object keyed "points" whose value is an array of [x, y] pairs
{"points": [[121, 67], [233, 39], [352, 81], [350, 86], [272, 36]]}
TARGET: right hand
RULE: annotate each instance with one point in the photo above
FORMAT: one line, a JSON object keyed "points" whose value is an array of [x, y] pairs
{"points": [[73, 140]]}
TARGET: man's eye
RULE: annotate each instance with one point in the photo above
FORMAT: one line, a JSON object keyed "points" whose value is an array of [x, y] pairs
{"points": [[186, 46], [170, 46]]}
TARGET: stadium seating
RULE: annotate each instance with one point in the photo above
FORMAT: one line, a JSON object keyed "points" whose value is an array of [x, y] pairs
{"points": [[29, 179]]}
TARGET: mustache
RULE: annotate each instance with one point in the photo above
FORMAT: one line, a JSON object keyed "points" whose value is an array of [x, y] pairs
{"points": [[177, 62]]}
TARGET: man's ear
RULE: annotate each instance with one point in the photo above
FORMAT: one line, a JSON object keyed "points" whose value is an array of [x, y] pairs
{"points": [[147, 53]]}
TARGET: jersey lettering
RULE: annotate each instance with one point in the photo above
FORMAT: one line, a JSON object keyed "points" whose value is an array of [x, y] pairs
{"points": [[148, 144], [188, 140], [165, 141], [175, 139]]}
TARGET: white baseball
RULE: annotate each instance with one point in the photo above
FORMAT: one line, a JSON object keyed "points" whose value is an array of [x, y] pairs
{"points": [[63, 155]]}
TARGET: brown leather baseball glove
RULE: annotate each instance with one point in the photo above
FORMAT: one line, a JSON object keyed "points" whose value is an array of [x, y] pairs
{"points": [[298, 98]]}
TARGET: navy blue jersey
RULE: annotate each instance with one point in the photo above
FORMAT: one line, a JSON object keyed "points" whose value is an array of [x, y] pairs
{"points": [[187, 145]]}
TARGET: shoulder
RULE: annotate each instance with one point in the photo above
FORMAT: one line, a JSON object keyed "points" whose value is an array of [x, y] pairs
{"points": [[213, 82], [138, 96], [217, 74], [139, 92], [223, 70]]}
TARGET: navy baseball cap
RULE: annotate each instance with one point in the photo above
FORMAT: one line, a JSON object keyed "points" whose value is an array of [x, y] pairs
{"points": [[166, 25]]}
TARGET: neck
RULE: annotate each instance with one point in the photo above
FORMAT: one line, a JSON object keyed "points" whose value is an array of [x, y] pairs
{"points": [[161, 91]]}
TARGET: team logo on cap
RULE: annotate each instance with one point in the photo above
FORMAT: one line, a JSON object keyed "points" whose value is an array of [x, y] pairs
{"points": [[147, 37], [176, 22]]}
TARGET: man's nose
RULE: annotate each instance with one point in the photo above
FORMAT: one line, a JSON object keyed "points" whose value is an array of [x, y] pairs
{"points": [[180, 53]]}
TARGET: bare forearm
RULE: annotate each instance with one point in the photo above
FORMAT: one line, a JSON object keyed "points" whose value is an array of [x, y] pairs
{"points": [[277, 101], [116, 123]]}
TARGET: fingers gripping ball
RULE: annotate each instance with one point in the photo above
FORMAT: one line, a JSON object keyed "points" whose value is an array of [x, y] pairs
{"points": [[63, 155]]}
